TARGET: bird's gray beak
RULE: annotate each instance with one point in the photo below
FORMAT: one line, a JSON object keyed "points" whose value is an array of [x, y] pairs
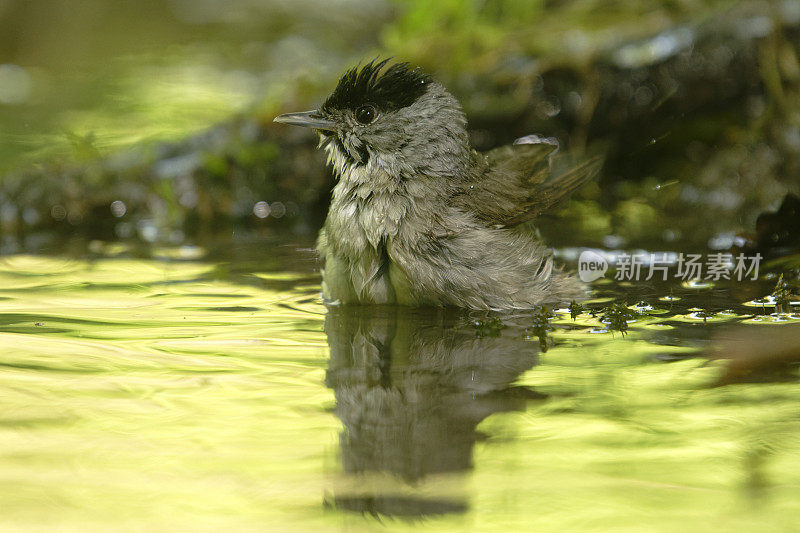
{"points": [[307, 119]]}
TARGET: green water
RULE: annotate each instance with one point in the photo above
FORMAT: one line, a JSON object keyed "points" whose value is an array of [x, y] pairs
{"points": [[182, 393]]}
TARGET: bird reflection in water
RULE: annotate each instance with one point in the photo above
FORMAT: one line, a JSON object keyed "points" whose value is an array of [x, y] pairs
{"points": [[411, 386]]}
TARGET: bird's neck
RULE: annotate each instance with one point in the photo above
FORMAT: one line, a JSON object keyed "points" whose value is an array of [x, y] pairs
{"points": [[371, 207]]}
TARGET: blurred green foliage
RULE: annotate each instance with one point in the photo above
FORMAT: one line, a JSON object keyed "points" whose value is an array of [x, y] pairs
{"points": [[471, 36], [167, 107]]}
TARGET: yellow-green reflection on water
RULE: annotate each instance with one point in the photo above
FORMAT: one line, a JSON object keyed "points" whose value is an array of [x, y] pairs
{"points": [[156, 395]]}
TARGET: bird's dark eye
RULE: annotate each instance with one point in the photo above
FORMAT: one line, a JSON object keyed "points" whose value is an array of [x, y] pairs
{"points": [[365, 114]]}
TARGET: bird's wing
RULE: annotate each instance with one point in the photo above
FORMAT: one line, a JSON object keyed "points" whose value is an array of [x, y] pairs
{"points": [[512, 184]]}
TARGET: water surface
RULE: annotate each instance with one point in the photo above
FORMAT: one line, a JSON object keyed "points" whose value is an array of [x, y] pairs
{"points": [[178, 391]]}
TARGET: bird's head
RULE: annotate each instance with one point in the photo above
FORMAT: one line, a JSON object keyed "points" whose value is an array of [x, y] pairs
{"points": [[395, 119]]}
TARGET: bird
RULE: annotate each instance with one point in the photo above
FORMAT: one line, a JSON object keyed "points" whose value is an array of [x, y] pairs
{"points": [[417, 217]]}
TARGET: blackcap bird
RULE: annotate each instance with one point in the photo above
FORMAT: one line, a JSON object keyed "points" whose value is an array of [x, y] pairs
{"points": [[419, 218]]}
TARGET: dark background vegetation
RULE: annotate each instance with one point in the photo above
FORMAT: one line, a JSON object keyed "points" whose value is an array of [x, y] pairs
{"points": [[151, 121]]}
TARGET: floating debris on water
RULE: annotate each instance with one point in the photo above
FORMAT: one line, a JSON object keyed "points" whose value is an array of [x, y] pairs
{"points": [[618, 316], [488, 327], [782, 298], [761, 302], [575, 309], [540, 326], [782, 295], [702, 315]]}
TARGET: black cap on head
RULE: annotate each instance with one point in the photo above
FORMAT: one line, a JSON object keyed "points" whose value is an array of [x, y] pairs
{"points": [[396, 87]]}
